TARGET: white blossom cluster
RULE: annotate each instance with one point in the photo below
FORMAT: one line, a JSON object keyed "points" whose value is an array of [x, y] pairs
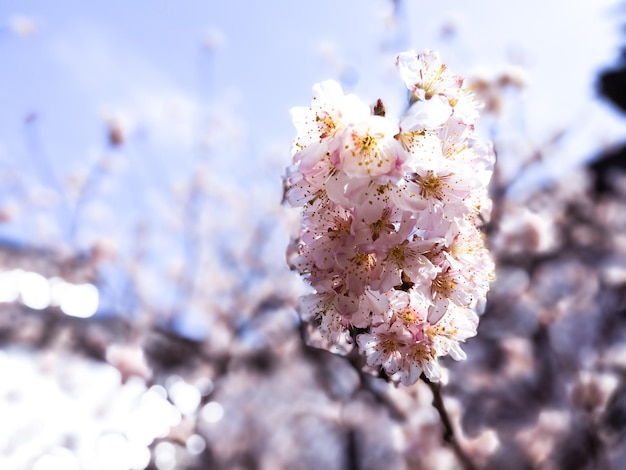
{"points": [[391, 209]]}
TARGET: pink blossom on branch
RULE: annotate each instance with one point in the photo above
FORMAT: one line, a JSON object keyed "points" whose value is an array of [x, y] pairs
{"points": [[390, 237]]}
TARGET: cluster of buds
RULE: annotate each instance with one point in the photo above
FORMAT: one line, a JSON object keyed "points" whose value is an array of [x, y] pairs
{"points": [[390, 236]]}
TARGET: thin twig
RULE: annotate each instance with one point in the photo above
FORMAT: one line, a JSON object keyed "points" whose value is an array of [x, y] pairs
{"points": [[449, 435]]}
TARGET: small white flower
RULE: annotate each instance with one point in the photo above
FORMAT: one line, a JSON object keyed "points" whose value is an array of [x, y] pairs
{"points": [[427, 114], [329, 113], [319, 309], [369, 148], [425, 75], [384, 346]]}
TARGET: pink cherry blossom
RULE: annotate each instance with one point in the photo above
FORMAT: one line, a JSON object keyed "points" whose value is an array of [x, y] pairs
{"points": [[390, 211]]}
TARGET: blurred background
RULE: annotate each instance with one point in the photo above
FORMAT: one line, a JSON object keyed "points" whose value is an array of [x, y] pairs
{"points": [[147, 316]]}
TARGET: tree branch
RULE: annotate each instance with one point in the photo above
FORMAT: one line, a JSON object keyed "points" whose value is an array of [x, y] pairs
{"points": [[449, 435]]}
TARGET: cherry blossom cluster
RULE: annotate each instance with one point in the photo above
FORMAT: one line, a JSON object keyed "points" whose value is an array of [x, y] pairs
{"points": [[390, 236]]}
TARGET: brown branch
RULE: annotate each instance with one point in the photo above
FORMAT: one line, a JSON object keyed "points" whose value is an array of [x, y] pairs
{"points": [[449, 435]]}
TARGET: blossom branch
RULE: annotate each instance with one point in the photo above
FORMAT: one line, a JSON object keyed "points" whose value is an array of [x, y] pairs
{"points": [[390, 215]]}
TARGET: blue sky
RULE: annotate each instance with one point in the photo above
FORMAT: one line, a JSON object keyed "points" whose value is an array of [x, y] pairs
{"points": [[91, 58], [147, 63]]}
